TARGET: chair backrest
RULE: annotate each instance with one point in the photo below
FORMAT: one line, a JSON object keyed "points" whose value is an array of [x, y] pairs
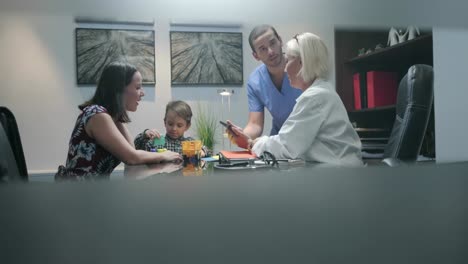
{"points": [[413, 108], [8, 165], [11, 145]]}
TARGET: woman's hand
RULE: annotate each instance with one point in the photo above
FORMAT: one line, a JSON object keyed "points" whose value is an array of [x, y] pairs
{"points": [[152, 133], [237, 136], [170, 156]]}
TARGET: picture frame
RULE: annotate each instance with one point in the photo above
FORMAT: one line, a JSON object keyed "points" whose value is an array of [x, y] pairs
{"points": [[206, 58], [95, 48]]}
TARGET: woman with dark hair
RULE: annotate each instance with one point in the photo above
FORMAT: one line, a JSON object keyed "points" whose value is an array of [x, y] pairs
{"points": [[100, 139]]}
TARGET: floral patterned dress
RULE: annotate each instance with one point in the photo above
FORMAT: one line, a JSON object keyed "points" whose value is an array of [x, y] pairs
{"points": [[86, 158]]}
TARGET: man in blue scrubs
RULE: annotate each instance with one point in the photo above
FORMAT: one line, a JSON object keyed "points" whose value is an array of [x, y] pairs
{"points": [[268, 86]]}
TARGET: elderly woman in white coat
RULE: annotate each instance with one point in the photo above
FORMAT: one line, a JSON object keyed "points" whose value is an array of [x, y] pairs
{"points": [[318, 128]]}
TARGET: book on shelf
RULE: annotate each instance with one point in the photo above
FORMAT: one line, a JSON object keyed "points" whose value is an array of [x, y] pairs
{"points": [[374, 89], [360, 91], [381, 88]]}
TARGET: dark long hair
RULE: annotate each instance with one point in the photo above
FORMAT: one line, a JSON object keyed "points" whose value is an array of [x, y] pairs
{"points": [[111, 88]]}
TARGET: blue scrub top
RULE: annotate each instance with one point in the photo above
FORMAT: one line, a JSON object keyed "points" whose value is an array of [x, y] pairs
{"points": [[263, 93]]}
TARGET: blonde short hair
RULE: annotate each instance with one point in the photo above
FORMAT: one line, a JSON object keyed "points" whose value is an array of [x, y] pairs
{"points": [[313, 53]]}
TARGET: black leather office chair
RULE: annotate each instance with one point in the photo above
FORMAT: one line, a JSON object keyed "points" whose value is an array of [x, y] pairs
{"points": [[12, 162], [413, 108]]}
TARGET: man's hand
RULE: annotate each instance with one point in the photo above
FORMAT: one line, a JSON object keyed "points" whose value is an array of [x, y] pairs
{"points": [[237, 136]]}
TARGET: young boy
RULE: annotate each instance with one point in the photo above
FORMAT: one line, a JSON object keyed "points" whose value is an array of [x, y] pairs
{"points": [[177, 120]]}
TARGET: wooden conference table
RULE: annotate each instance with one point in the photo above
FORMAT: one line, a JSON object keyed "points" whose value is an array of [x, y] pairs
{"points": [[299, 214]]}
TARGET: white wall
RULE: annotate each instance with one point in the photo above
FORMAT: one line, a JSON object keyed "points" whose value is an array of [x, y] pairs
{"points": [[37, 54], [451, 94]]}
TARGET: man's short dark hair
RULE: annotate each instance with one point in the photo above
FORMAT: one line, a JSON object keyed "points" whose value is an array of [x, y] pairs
{"points": [[258, 31]]}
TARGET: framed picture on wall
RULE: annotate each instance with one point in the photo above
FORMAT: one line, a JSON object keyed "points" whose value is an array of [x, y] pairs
{"points": [[95, 48], [206, 58]]}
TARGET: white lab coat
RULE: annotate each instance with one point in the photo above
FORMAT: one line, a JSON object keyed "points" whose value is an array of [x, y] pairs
{"points": [[318, 129]]}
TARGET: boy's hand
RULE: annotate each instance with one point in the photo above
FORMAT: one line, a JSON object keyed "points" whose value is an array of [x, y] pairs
{"points": [[152, 133], [202, 153]]}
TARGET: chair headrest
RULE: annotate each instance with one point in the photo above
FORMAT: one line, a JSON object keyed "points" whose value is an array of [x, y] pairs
{"points": [[416, 88]]}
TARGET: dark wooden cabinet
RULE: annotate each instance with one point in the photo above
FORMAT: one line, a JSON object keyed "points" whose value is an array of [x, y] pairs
{"points": [[397, 58]]}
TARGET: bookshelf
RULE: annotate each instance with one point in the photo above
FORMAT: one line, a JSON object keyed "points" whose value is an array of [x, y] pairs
{"points": [[397, 58], [416, 50]]}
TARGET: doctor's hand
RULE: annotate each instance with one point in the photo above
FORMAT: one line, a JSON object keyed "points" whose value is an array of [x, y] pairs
{"points": [[237, 136]]}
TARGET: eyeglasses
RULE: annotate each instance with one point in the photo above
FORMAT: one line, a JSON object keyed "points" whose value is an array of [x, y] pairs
{"points": [[268, 158], [296, 38]]}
